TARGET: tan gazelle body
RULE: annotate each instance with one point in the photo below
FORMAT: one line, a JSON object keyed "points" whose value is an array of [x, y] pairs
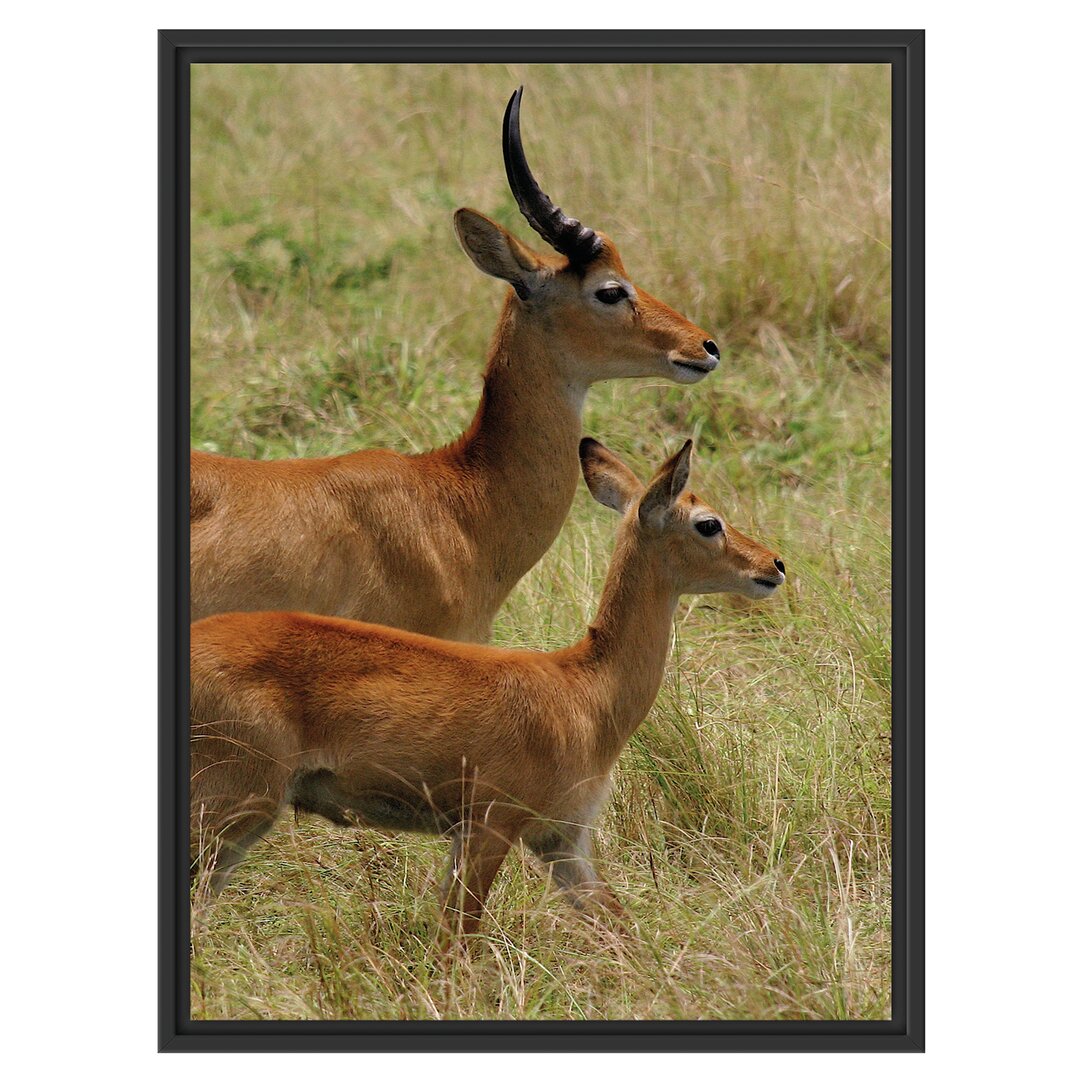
{"points": [[434, 542], [368, 725]]}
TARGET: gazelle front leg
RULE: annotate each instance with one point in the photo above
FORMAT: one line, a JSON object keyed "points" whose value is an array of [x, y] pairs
{"points": [[479, 851], [568, 856]]}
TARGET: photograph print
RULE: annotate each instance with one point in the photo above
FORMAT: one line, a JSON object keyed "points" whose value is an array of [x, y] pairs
{"points": [[540, 662]]}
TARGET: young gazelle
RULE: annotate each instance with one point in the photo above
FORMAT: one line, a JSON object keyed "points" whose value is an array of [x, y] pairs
{"points": [[372, 726], [434, 542]]}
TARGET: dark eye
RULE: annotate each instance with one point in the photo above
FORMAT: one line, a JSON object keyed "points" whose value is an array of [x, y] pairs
{"points": [[709, 527], [611, 295]]}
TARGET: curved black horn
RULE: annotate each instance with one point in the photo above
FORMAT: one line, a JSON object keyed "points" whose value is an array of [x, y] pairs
{"points": [[566, 234]]}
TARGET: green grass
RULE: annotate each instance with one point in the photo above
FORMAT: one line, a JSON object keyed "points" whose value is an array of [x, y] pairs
{"points": [[749, 828]]}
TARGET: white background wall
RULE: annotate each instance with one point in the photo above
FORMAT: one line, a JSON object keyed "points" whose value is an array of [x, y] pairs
{"points": [[77, 437]]}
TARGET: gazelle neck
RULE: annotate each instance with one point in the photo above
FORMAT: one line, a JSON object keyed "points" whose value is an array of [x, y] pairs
{"points": [[521, 450], [626, 647]]}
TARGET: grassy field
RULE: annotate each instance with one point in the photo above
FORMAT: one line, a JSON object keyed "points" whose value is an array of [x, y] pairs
{"points": [[749, 829]]}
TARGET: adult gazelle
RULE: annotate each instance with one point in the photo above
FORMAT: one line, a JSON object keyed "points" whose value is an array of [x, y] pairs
{"points": [[434, 542]]}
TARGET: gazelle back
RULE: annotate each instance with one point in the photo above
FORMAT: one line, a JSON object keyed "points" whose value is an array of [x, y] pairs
{"points": [[368, 725], [434, 542]]}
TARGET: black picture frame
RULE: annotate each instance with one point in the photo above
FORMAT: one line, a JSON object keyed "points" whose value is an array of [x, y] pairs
{"points": [[904, 51]]}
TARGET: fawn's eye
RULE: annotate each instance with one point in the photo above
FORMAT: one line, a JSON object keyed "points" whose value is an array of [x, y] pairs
{"points": [[611, 294], [709, 527]]}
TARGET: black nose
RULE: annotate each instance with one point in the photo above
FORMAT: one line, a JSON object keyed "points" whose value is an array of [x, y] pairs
{"points": [[779, 564], [711, 348]]}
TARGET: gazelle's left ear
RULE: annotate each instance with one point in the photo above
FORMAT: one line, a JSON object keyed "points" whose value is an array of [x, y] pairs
{"points": [[610, 481], [498, 252], [666, 486]]}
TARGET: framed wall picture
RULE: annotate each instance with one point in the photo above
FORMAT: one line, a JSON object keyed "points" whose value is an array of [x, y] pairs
{"points": [[542, 540]]}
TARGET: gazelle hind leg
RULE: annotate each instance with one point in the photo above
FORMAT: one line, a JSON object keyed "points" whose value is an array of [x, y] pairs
{"points": [[220, 840], [237, 791]]}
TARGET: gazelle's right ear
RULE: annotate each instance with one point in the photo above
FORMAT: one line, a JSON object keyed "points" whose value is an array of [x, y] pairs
{"points": [[609, 480], [497, 252], [665, 487]]}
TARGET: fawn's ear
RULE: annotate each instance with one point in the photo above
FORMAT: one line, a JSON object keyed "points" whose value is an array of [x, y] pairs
{"points": [[609, 480], [497, 252], [665, 487]]}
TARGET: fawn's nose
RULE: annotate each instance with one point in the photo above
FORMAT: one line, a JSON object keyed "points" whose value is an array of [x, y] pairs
{"points": [[711, 348], [779, 564]]}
